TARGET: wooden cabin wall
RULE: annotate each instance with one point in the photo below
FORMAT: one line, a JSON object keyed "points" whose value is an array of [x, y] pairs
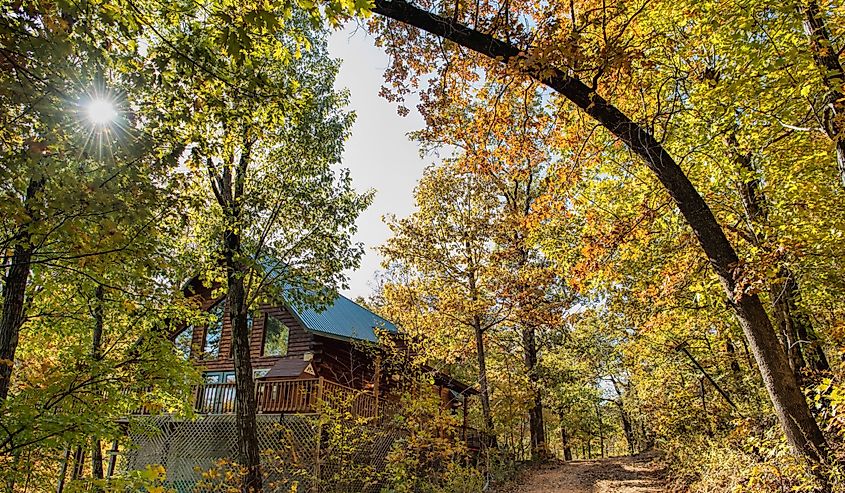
{"points": [[300, 341], [344, 363]]}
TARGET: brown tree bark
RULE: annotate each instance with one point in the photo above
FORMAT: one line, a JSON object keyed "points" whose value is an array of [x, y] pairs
{"points": [[14, 290], [791, 408], [483, 386], [734, 362], [627, 428], [795, 329], [826, 58], [245, 409], [228, 188], [520, 207], [536, 427], [601, 430], [479, 329], [96, 459], [564, 440], [97, 355]]}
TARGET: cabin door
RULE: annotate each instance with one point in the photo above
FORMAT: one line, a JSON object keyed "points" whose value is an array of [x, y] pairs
{"points": [[219, 393]]}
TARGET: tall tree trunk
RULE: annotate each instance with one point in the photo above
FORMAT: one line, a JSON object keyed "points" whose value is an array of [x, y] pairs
{"points": [[97, 355], [535, 412], [245, 409], [601, 430], [484, 388], [734, 362], [15, 280], [795, 329], [478, 329], [826, 58], [96, 459], [564, 440], [790, 406], [811, 353], [228, 188], [60, 483], [14, 295], [627, 429]]}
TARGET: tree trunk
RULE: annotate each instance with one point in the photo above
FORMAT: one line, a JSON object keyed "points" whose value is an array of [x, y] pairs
{"points": [[627, 429], [228, 188], [564, 441], [60, 484], [14, 291], [601, 431], [795, 329], [734, 362], [245, 409], [809, 353], [97, 355], [535, 412], [96, 459], [484, 389], [826, 58], [14, 295]]}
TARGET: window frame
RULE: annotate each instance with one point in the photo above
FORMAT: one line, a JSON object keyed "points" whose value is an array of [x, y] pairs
{"points": [[221, 323], [266, 325]]}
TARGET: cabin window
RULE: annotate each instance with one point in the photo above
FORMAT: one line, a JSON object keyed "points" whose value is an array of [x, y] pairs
{"points": [[183, 342], [276, 335], [214, 331]]}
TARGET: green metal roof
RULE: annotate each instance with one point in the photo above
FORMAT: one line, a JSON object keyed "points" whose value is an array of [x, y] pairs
{"points": [[345, 319]]}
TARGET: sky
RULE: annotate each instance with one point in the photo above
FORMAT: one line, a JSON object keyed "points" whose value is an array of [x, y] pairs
{"points": [[379, 154]]}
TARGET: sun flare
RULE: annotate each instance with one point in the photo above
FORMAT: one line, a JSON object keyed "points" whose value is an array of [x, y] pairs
{"points": [[101, 112]]}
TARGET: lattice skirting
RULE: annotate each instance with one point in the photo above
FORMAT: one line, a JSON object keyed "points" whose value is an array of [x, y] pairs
{"points": [[293, 453]]}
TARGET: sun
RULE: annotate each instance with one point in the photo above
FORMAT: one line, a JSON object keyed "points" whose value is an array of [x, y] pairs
{"points": [[100, 111]]}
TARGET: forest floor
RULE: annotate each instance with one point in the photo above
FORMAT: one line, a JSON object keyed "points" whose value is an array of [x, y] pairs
{"points": [[633, 474]]}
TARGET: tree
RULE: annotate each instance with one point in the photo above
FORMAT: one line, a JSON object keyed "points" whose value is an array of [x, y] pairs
{"points": [[446, 247], [64, 171], [502, 132], [262, 127]]}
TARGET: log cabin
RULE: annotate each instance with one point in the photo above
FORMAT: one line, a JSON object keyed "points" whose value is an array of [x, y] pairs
{"points": [[301, 356]]}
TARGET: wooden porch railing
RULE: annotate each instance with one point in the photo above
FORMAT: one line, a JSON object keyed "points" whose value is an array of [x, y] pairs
{"points": [[288, 396], [285, 396], [215, 398]]}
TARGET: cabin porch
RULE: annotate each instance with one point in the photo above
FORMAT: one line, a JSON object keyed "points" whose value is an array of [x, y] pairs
{"points": [[292, 396]]}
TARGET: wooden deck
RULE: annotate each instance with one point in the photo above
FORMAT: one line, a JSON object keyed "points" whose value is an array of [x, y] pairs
{"points": [[301, 396]]}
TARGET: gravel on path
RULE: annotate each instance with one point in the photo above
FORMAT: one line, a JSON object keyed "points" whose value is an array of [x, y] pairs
{"points": [[634, 474]]}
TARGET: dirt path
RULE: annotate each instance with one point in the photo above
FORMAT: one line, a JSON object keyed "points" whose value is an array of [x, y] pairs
{"points": [[637, 474]]}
